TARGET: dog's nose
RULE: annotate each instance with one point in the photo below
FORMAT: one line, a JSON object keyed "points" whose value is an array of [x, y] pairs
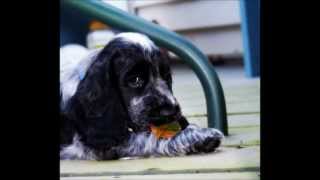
{"points": [[169, 110]]}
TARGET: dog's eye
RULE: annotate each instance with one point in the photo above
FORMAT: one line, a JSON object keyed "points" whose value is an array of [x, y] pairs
{"points": [[136, 82]]}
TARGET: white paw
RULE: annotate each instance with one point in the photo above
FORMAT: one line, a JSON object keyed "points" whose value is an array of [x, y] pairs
{"points": [[205, 139]]}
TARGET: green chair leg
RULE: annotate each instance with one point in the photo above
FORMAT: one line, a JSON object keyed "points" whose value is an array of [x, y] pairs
{"points": [[216, 107]]}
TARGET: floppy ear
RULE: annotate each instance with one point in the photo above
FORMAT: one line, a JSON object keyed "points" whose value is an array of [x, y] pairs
{"points": [[101, 114]]}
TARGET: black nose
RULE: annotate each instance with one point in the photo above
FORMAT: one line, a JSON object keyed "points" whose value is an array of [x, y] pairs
{"points": [[165, 110], [162, 107], [168, 110], [164, 114]]}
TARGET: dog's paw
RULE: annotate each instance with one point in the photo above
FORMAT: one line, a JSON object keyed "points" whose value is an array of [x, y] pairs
{"points": [[205, 139], [194, 139], [209, 144]]}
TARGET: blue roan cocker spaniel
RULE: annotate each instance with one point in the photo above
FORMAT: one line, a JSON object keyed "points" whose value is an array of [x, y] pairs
{"points": [[110, 99]]}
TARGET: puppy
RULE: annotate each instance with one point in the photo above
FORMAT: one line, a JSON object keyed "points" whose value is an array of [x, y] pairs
{"points": [[110, 99]]}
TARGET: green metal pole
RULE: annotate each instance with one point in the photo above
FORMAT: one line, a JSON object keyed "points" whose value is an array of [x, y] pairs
{"points": [[216, 107]]}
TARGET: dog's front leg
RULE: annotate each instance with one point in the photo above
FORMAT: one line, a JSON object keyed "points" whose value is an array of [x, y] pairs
{"points": [[192, 139]]}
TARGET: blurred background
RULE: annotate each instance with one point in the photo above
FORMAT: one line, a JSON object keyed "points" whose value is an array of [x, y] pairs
{"points": [[227, 31]]}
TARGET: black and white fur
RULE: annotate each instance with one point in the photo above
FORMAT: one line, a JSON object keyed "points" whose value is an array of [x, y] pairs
{"points": [[109, 99]]}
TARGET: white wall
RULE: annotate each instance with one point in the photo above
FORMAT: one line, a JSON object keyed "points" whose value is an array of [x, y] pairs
{"points": [[212, 25], [121, 4], [180, 15]]}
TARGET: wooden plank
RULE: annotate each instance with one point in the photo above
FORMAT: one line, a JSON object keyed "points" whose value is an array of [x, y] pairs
{"points": [[243, 107], [244, 91], [232, 109], [244, 120], [223, 160], [242, 137], [244, 130], [239, 99], [233, 121], [200, 176], [198, 99]]}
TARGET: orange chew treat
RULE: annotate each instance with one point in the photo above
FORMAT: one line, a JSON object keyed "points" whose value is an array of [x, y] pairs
{"points": [[166, 130]]}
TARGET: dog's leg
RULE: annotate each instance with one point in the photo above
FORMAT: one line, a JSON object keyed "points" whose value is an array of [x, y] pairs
{"points": [[192, 139]]}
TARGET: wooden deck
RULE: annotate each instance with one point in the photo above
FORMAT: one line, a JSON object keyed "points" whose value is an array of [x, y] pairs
{"points": [[238, 158]]}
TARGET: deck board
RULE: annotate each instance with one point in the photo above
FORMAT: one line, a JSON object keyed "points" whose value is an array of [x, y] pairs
{"points": [[202, 176], [224, 160], [245, 101], [233, 120]]}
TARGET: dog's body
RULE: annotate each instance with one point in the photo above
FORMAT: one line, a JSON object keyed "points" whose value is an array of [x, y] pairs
{"points": [[109, 100]]}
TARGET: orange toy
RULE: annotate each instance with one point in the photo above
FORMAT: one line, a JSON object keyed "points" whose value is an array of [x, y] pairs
{"points": [[166, 130]]}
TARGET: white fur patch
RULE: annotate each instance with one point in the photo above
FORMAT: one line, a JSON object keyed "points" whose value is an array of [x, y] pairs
{"points": [[137, 38], [72, 67], [77, 150], [136, 101]]}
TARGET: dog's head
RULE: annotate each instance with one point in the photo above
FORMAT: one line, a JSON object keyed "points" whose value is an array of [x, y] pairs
{"points": [[144, 79]]}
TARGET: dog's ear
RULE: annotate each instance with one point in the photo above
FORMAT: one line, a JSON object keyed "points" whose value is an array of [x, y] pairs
{"points": [[103, 114], [97, 90]]}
